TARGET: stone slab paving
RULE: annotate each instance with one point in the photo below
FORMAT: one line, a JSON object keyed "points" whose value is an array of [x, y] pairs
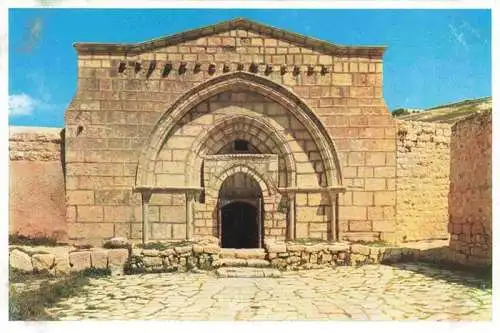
{"points": [[372, 292], [247, 272]]}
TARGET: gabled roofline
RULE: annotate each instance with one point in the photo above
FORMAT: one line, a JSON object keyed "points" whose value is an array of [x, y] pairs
{"points": [[238, 23]]}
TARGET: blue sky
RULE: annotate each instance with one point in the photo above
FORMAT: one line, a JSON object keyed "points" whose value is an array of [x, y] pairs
{"points": [[434, 56]]}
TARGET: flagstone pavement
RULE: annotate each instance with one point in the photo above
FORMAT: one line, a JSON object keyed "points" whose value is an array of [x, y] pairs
{"points": [[371, 292]]}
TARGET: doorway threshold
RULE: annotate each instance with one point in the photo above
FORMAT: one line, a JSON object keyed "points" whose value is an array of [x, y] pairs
{"points": [[252, 253]]}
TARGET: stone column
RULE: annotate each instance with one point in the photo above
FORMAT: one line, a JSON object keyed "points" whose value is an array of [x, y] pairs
{"points": [[189, 215], [333, 216], [145, 215], [291, 216]]}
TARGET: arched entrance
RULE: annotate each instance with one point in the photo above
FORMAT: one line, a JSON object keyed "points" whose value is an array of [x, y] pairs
{"points": [[240, 212], [243, 121]]}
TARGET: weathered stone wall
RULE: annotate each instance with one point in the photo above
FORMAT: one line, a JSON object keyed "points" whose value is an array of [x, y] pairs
{"points": [[63, 260], [470, 197], [121, 97], [423, 168], [206, 254], [41, 144], [36, 183]]}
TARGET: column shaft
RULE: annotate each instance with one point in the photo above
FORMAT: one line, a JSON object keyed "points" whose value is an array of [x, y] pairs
{"points": [[145, 216], [189, 215], [291, 217], [333, 216]]}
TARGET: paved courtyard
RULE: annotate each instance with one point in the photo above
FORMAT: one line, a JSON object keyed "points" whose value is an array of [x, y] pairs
{"points": [[378, 292]]}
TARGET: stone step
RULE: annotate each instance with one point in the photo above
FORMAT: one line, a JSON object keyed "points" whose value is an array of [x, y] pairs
{"points": [[247, 272], [239, 262], [243, 253]]}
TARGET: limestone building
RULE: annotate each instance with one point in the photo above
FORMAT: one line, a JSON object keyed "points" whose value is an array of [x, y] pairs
{"points": [[238, 131]]}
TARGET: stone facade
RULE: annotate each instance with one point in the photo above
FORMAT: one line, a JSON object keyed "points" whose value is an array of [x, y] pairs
{"points": [[162, 137], [146, 116], [470, 196], [36, 183], [423, 171]]}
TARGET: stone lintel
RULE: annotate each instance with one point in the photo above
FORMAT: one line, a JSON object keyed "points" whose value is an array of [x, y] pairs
{"points": [[170, 189], [221, 157], [291, 190]]}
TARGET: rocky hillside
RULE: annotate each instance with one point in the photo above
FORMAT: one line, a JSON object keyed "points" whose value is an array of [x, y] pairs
{"points": [[449, 113]]}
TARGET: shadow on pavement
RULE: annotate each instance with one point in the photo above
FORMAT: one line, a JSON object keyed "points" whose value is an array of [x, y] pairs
{"points": [[477, 278]]}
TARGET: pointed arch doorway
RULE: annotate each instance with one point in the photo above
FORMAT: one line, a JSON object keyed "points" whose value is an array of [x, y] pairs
{"points": [[240, 212]]}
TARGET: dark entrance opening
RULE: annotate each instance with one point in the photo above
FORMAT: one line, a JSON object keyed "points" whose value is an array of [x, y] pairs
{"points": [[240, 227]]}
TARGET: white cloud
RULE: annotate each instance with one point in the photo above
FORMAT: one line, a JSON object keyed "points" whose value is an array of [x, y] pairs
{"points": [[22, 105]]}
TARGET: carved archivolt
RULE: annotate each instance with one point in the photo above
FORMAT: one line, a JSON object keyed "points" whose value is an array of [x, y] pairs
{"points": [[265, 184], [249, 82], [257, 131]]}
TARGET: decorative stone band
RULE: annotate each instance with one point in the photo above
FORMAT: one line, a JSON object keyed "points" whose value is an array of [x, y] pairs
{"points": [[170, 189], [329, 189], [238, 156]]}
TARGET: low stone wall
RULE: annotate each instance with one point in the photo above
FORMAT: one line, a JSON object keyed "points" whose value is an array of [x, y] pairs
{"points": [[208, 256], [470, 195], [176, 258], [422, 182], [62, 260], [35, 143], [294, 256]]}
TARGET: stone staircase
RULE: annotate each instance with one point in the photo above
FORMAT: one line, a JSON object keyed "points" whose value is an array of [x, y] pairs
{"points": [[247, 263]]}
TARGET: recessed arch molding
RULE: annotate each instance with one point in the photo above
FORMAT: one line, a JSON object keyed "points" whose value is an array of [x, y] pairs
{"points": [[238, 80]]}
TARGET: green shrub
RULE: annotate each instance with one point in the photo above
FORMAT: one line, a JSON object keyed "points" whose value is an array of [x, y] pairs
{"points": [[17, 239], [400, 112]]}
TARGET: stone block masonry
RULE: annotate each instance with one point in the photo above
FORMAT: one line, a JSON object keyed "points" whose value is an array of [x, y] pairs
{"points": [[422, 183], [470, 196], [36, 182], [122, 99]]}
